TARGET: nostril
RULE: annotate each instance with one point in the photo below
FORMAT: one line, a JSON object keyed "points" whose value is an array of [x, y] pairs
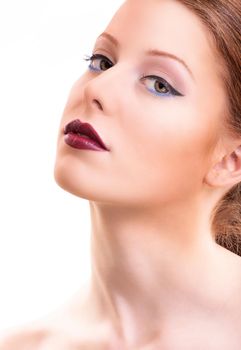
{"points": [[98, 104]]}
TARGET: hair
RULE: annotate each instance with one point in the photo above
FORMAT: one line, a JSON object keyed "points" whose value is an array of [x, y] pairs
{"points": [[222, 18]]}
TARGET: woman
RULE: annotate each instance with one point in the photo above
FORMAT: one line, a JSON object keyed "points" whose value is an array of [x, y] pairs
{"points": [[162, 177]]}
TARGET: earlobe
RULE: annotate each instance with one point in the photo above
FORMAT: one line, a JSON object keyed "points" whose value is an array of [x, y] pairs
{"points": [[227, 172]]}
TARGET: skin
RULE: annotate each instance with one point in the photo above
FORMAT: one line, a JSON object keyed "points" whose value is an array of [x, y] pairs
{"points": [[158, 277]]}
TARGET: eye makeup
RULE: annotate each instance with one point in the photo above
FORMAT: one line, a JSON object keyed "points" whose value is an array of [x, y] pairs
{"points": [[168, 71], [100, 63], [164, 67]]}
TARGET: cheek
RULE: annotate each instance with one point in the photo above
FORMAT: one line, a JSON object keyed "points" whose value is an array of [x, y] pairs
{"points": [[168, 157]]}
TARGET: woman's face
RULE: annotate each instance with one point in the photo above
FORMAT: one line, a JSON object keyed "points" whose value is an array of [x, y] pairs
{"points": [[159, 115]]}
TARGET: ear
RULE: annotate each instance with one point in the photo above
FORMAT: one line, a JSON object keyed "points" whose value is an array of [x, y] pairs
{"points": [[226, 172]]}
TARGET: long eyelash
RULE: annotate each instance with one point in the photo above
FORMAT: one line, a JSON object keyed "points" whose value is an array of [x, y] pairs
{"points": [[87, 57], [91, 57], [95, 56]]}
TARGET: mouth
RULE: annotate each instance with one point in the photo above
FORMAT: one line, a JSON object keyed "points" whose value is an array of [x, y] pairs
{"points": [[84, 129]]}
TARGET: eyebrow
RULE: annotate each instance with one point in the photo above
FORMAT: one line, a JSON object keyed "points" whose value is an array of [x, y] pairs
{"points": [[153, 52]]}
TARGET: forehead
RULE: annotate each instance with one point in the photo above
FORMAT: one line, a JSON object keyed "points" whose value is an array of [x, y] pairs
{"points": [[165, 25]]}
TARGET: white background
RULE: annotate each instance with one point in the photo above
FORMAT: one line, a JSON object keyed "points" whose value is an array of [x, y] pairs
{"points": [[44, 230]]}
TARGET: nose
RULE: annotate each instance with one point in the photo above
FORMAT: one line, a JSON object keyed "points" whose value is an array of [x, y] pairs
{"points": [[98, 104], [103, 92]]}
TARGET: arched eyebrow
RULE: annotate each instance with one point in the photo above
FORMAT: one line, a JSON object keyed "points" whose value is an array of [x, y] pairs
{"points": [[152, 52]]}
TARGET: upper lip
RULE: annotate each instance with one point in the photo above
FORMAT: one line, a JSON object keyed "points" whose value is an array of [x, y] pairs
{"points": [[76, 126]]}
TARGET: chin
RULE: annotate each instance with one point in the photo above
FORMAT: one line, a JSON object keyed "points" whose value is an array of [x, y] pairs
{"points": [[76, 182]]}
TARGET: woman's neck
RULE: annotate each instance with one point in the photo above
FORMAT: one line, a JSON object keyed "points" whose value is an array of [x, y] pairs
{"points": [[149, 267]]}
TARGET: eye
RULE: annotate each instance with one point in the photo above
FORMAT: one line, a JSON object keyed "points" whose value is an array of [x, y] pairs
{"points": [[155, 84], [159, 86], [98, 62]]}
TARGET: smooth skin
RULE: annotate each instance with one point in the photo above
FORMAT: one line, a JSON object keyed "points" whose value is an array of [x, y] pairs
{"points": [[159, 280]]}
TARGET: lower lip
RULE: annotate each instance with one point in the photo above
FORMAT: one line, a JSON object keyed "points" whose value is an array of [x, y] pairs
{"points": [[82, 142]]}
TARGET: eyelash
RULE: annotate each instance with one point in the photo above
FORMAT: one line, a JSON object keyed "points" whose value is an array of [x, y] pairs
{"points": [[172, 91]]}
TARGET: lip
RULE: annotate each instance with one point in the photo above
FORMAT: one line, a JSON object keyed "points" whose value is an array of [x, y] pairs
{"points": [[76, 127]]}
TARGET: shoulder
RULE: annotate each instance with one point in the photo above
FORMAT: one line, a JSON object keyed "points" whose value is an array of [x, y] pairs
{"points": [[44, 340], [26, 338]]}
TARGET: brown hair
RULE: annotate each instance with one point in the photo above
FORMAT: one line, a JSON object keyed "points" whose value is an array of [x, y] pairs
{"points": [[222, 18]]}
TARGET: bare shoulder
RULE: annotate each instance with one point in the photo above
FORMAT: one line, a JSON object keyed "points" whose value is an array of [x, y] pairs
{"points": [[25, 338], [69, 327]]}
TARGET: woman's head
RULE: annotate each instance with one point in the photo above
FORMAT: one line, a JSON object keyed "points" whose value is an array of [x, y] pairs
{"points": [[162, 117]]}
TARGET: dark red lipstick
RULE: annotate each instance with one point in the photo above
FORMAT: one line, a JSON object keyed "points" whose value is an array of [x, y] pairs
{"points": [[83, 136]]}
